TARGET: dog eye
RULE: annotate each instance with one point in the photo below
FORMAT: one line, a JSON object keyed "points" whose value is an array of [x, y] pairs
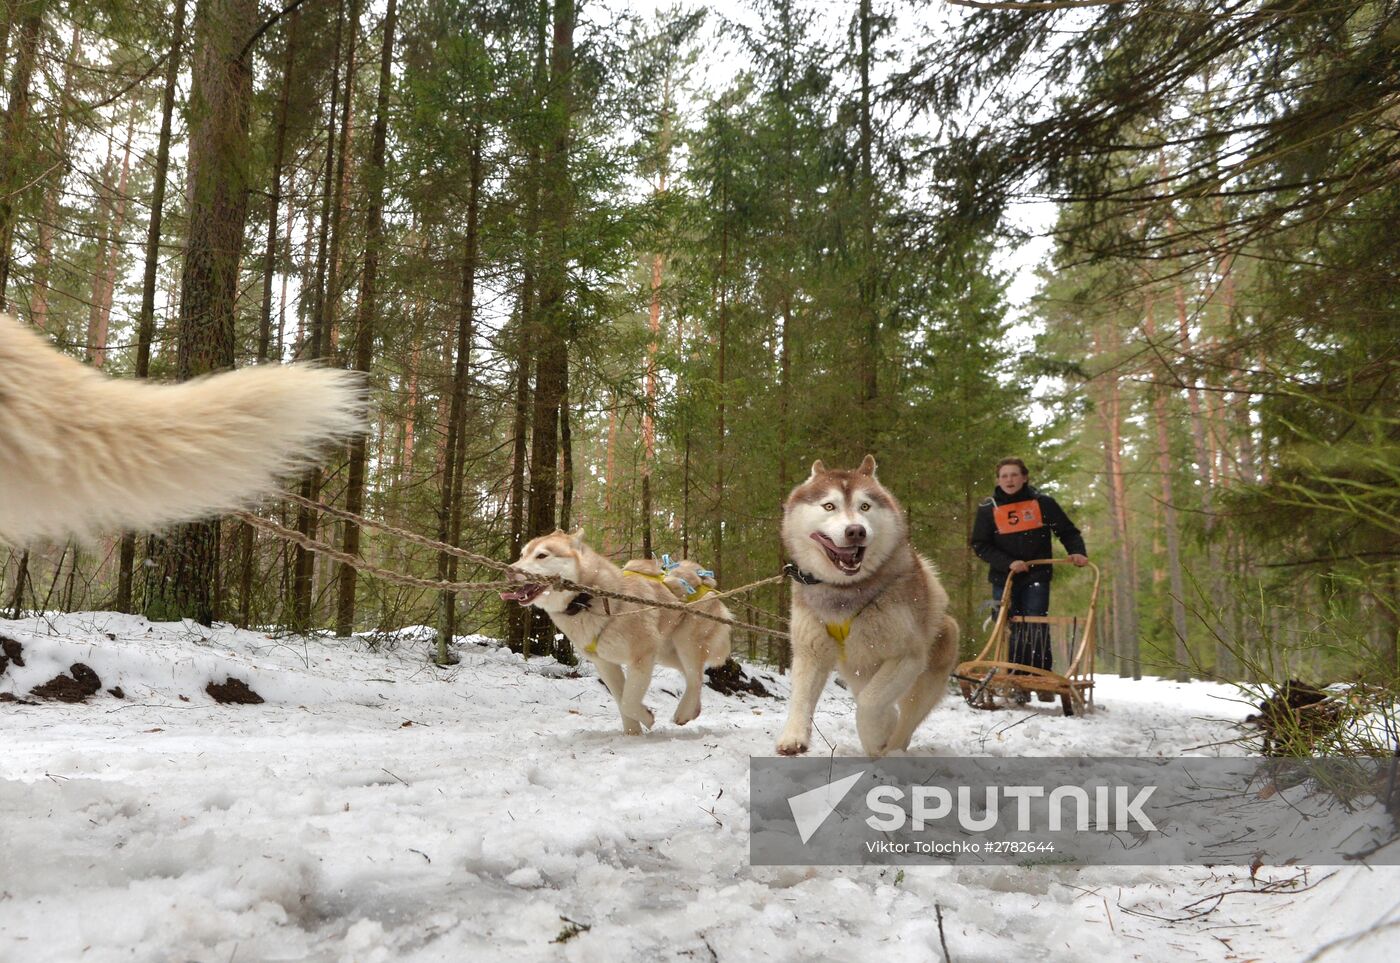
{"points": [[865, 506], [542, 555], [829, 507]]}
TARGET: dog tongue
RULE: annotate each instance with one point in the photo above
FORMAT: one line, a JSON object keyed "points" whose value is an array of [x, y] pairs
{"points": [[847, 553]]}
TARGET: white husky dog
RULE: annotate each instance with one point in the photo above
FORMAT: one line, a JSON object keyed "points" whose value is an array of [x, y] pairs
{"points": [[866, 604], [625, 640], [83, 453]]}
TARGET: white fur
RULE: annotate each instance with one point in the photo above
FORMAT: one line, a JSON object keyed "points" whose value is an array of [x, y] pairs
{"points": [[81, 453]]}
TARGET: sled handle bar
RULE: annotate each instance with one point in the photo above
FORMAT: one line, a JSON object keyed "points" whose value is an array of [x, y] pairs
{"points": [[1093, 596]]}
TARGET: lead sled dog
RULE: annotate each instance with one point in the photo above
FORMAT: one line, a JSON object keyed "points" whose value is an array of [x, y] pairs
{"points": [[866, 604], [82, 453], [624, 640]]}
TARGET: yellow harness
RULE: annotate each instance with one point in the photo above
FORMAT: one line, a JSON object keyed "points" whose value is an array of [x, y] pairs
{"points": [[699, 593], [839, 631]]}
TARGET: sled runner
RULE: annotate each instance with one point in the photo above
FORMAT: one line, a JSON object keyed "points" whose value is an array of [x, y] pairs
{"points": [[1071, 637]]}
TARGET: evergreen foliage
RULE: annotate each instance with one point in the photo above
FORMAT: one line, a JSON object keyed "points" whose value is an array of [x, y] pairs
{"points": [[599, 264]]}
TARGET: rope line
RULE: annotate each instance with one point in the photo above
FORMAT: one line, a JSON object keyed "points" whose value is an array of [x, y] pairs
{"points": [[397, 578], [397, 532], [355, 562]]}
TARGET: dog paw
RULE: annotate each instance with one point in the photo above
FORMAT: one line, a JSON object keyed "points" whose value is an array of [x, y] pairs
{"points": [[646, 718], [682, 717], [791, 747], [630, 727]]}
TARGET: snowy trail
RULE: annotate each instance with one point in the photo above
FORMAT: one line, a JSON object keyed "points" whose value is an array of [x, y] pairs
{"points": [[377, 808]]}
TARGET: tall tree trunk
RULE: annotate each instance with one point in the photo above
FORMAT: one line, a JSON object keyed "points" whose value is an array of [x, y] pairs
{"points": [[610, 474], [13, 148], [1200, 448], [785, 314], [1227, 661], [1224, 663], [869, 273], [1172, 532], [364, 324], [517, 620], [1124, 580], [330, 303], [566, 457], [415, 360], [281, 346], [450, 511], [99, 272], [304, 575], [274, 208], [722, 348], [554, 323], [186, 569], [649, 405], [685, 493], [274, 203], [107, 279], [43, 259], [146, 323], [524, 623], [663, 156], [784, 444]]}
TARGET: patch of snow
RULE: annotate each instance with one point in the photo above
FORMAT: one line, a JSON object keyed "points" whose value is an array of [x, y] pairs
{"points": [[379, 807]]}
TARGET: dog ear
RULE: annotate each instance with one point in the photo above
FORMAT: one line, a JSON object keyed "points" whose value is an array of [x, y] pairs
{"points": [[818, 468], [576, 538], [867, 467]]}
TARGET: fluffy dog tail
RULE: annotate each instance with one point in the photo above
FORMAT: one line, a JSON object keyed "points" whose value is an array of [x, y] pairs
{"points": [[82, 453]]}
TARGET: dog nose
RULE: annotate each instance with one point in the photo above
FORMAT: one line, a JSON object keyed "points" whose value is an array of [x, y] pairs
{"points": [[855, 533]]}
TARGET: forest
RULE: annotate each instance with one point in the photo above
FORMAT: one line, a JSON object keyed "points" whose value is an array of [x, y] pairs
{"points": [[633, 268]]}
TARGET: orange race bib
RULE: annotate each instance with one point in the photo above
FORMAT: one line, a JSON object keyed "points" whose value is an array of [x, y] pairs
{"points": [[1017, 517]]}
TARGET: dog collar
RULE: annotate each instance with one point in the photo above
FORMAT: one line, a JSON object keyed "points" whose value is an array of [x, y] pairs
{"points": [[797, 575], [583, 602]]}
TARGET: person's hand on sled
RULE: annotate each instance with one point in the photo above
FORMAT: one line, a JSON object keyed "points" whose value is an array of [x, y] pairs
{"points": [[1079, 561], [1018, 567]]}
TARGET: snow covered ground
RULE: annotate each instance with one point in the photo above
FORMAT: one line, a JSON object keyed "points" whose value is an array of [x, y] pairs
{"points": [[376, 807]]}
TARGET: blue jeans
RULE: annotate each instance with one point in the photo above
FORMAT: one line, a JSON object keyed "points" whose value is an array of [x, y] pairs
{"points": [[1029, 644]]}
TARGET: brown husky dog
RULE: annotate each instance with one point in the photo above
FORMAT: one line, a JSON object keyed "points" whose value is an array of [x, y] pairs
{"points": [[866, 604], [624, 640]]}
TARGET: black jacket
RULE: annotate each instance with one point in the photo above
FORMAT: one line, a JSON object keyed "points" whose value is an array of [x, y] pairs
{"points": [[1008, 529]]}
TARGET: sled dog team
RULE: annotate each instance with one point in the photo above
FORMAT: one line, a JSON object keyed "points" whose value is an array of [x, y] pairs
{"points": [[85, 453], [864, 604]]}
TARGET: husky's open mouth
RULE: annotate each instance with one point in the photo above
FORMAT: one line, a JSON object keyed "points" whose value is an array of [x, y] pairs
{"points": [[846, 559], [525, 594]]}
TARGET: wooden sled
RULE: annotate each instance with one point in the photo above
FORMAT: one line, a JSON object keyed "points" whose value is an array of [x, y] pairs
{"points": [[992, 675]]}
